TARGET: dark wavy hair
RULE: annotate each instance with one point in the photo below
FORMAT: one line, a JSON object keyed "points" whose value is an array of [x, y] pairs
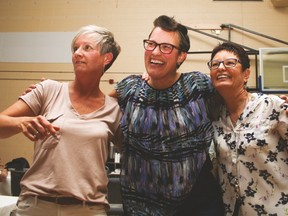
{"points": [[235, 49], [171, 25]]}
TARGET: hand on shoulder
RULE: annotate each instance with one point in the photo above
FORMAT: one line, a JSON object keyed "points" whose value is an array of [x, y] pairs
{"points": [[31, 87], [285, 97]]}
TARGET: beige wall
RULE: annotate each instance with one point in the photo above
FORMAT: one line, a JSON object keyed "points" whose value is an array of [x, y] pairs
{"points": [[131, 22]]}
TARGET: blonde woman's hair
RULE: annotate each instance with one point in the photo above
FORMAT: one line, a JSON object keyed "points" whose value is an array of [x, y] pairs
{"points": [[104, 39]]}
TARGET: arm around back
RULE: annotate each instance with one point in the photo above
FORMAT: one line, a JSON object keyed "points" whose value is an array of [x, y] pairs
{"points": [[113, 93]]}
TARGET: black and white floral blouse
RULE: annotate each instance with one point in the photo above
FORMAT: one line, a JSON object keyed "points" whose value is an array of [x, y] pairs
{"points": [[254, 154]]}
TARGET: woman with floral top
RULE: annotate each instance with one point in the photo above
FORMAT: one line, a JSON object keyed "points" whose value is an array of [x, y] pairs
{"points": [[250, 138]]}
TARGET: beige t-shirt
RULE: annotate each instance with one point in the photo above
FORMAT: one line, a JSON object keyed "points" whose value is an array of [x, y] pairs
{"points": [[74, 163]]}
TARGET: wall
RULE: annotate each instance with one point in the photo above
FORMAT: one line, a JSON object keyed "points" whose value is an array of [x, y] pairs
{"points": [[131, 22]]}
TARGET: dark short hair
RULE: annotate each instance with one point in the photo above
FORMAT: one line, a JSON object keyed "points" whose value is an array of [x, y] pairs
{"points": [[235, 49], [171, 25]]}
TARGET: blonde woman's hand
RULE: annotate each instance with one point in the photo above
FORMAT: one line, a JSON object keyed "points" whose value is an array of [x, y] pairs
{"points": [[38, 127]]}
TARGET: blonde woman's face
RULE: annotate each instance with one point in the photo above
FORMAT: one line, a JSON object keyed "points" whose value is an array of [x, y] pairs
{"points": [[86, 57]]}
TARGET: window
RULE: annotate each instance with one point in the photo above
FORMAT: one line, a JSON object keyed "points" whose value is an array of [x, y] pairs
{"points": [[273, 70]]}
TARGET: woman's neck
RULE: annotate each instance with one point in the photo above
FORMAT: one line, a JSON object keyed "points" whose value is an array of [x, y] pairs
{"points": [[236, 103], [164, 83], [85, 99], [85, 90]]}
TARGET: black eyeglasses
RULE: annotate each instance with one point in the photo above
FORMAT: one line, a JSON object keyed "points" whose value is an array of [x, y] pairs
{"points": [[165, 48], [228, 63]]}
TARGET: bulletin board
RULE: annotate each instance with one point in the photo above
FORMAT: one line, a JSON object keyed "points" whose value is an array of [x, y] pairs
{"points": [[36, 47]]}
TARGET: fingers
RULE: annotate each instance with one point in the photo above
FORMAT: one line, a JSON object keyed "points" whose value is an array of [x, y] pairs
{"points": [[284, 97], [29, 89], [39, 128], [37, 135], [32, 133], [145, 76], [32, 86]]}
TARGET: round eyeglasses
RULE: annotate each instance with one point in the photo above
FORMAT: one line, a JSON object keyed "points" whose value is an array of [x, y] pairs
{"points": [[165, 48], [228, 63]]}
